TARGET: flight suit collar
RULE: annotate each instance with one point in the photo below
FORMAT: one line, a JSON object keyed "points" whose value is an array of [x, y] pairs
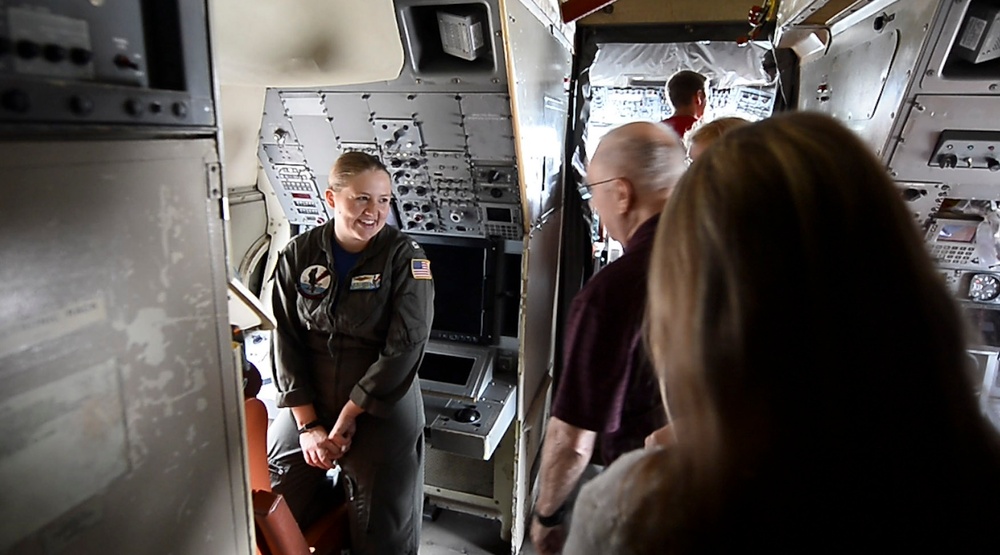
{"points": [[375, 246]]}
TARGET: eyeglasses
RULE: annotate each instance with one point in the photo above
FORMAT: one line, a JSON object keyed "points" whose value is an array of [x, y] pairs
{"points": [[584, 188]]}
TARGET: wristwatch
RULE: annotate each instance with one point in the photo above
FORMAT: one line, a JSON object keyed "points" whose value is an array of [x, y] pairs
{"points": [[554, 519], [310, 425]]}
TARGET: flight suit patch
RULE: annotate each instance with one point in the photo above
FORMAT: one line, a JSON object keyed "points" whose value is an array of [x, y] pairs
{"points": [[314, 281], [420, 268], [367, 282]]}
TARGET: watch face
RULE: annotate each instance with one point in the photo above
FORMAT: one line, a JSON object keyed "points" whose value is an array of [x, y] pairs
{"points": [[984, 287]]}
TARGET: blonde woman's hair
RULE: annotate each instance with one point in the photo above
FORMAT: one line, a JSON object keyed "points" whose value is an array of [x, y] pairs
{"points": [[705, 132], [351, 164]]}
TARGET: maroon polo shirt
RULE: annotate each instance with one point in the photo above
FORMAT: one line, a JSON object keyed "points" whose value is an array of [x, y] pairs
{"points": [[607, 385], [681, 124]]}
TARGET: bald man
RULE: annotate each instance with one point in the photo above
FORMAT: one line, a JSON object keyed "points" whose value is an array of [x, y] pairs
{"points": [[606, 390]]}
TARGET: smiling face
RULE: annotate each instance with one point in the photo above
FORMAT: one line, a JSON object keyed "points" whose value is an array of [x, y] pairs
{"points": [[360, 208]]}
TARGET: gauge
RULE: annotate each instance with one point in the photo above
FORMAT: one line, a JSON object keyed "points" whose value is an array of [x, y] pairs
{"points": [[984, 287]]}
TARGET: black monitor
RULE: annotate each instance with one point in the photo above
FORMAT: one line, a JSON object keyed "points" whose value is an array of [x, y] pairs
{"points": [[464, 287]]}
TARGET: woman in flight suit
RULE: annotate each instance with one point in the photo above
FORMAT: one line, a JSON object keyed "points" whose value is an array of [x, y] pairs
{"points": [[353, 300]]}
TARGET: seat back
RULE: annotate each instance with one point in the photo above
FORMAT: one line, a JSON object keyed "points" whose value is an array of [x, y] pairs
{"points": [[275, 522], [256, 414], [278, 533]]}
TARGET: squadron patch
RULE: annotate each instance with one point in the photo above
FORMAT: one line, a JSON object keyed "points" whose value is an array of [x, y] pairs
{"points": [[420, 268], [367, 282], [314, 281]]}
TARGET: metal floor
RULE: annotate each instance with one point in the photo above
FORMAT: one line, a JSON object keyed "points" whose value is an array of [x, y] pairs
{"points": [[459, 533]]}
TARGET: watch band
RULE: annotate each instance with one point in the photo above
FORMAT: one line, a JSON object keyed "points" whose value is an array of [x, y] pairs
{"points": [[554, 519], [310, 425]]}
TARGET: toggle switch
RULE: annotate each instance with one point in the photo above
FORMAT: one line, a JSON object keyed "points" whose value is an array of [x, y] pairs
{"points": [[947, 161]]}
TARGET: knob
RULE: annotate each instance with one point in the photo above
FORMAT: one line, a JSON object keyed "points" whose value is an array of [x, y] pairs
{"points": [[15, 100], [133, 107], [456, 216], [54, 53], [4, 46], [425, 208], [180, 109], [468, 415], [993, 164], [407, 206], [411, 224], [28, 49], [414, 163], [493, 176], [911, 194], [430, 226], [496, 193], [155, 107], [397, 163], [403, 189], [421, 191], [81, 105], [80, 56]]}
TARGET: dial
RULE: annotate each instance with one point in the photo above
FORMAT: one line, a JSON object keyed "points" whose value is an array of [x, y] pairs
{"points": [[984, 287]]}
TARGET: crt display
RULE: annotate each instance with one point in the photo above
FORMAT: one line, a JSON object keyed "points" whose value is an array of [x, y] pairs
{"points": [[446, 368], [459, 288]]}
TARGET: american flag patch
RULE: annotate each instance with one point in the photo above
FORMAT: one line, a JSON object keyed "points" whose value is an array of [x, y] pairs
{"points": [[420, 268]]}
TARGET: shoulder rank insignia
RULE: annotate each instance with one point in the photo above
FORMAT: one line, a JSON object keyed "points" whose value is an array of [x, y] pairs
{"points": [[420, 268]]}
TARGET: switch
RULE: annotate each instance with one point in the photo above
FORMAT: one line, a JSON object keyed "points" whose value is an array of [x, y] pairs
{"points": [[54, 53], [124, 62], [968, 162], [133, 107], [993, 164], [15, 100], [80, 56], [81, 105], [947, 161], [27, 49]]}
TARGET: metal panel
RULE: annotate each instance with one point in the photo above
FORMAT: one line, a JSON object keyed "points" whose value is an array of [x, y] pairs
{"points": [[928, 117], [843, 85], [934, 75], [539, 66], [488, 125], [311, 124], [440, 120], [350, 117], [121, 405]]}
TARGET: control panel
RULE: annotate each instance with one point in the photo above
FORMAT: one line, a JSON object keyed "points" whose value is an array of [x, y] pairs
{"points": [[469, 397], [963, 149], [450, 156], [144, 63]]}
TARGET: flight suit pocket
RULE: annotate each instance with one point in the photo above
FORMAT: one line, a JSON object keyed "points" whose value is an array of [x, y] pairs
{"points": [[314, 314]]}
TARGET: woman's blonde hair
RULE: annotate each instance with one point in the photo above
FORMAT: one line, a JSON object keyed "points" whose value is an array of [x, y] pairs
{"points": [[351, 164], [798, 324], [705, 132]]}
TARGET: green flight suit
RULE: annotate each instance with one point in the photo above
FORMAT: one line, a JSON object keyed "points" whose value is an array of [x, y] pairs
{"points": [[361, 340]]}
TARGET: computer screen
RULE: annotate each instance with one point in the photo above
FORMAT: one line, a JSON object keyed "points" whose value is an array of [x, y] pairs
{"points": [[463, 287]]}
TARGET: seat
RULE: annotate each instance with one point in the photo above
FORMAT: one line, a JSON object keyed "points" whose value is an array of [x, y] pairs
{"points": [[277, 531]]}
